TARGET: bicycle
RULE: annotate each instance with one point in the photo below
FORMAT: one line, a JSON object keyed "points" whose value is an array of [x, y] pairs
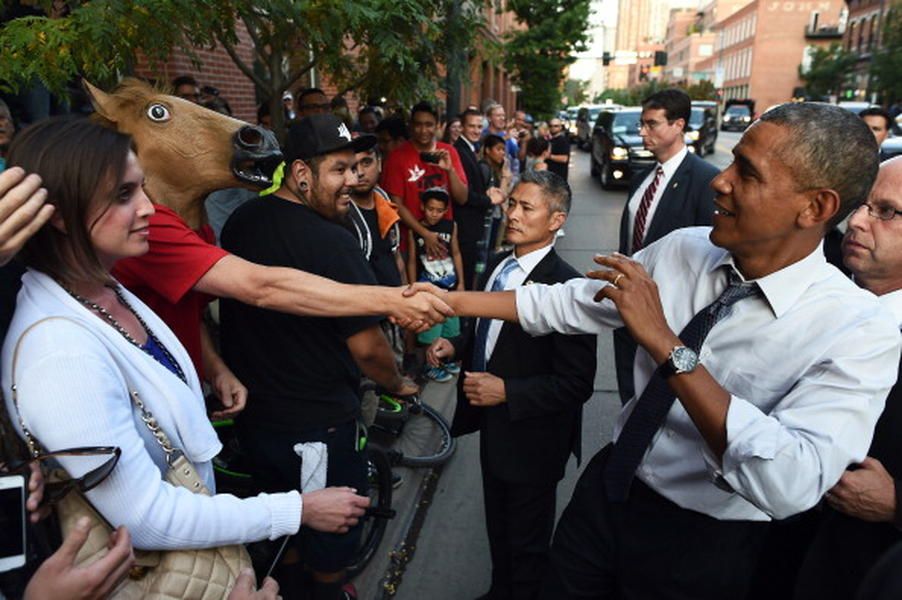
{"points": [[233, 473], [409, 431]]}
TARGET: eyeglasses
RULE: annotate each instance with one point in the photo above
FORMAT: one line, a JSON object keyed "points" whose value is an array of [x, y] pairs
{"points": [[54, 491], [884, 212], [190, 97], [650, 125]]}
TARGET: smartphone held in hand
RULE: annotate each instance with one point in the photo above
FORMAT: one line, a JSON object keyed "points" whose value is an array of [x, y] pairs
{"points": [[431, 157], [12, 522]]}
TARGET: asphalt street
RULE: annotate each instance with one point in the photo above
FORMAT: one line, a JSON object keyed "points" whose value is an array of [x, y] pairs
{"points": [[451, 558]]}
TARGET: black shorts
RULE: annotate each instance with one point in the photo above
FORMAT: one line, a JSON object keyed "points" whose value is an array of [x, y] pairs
{"points": [[277, 468]]}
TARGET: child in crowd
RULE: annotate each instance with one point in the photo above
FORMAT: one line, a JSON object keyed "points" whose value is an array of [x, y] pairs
{"points": [[443, 271]]}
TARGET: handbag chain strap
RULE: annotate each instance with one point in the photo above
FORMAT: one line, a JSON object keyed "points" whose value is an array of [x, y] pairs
{"points": [[172, 453]]}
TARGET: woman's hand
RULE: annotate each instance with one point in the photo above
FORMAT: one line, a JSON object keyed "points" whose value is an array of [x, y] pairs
{"points": [[60, 579], [246, 588], [22, 210]]}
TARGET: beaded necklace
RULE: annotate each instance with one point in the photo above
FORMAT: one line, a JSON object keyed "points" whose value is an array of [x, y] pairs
{"points": [[112, 321]]}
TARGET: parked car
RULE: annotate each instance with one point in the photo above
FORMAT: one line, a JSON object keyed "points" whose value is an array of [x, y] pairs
{"points": [[701, 131], [737, 115], [585, 121], [854, 106], [617, 150], [891, 146]]}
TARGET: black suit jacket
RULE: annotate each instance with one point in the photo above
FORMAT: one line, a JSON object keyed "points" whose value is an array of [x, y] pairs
{"points": [[470, 217], [528, 438], [687, 201]]}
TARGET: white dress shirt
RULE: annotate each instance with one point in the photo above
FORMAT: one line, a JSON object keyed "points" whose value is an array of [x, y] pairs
{"points": [[893, 302], [669, 166], [525, 265], [808, 366]]}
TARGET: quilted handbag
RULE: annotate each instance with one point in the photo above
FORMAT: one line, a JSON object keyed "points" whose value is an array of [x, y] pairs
{"points": [[207, 574]]}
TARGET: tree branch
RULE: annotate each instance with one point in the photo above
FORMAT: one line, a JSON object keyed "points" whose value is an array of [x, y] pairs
{"points": [[300, 72], [249, 72], [259, 48]]}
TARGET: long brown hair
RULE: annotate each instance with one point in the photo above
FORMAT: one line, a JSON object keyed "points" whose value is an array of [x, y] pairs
{"points": [[80, 164]]}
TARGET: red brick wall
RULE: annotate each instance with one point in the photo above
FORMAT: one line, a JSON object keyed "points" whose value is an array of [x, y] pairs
{"points": [[218, 70]]}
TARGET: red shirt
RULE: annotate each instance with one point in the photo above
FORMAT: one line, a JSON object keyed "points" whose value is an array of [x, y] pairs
{"points": [[164, 277], [405, 175]]}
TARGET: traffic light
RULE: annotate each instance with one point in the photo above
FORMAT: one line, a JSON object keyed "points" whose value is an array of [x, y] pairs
{"points": [[606, 58], [660, 58]]}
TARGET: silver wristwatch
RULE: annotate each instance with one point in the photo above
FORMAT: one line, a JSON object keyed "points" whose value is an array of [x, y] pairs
{"points": [[681, 360]]}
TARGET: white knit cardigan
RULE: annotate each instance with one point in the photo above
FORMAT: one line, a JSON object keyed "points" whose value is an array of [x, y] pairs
{"points": [[73, 378]]}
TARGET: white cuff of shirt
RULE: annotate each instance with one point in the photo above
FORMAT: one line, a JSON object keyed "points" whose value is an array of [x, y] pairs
{"points": [[286, 509], [747, 438]]}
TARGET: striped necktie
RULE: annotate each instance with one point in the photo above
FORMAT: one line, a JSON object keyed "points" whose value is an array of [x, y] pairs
{"points": [[642, 211], [482, 328]]}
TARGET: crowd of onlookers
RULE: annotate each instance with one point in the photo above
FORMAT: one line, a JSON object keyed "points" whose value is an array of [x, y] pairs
{"points": [[757, 451]]}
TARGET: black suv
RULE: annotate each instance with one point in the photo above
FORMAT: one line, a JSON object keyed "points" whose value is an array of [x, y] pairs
{"points": [[737, 115], [701, 131], [617, 150]]}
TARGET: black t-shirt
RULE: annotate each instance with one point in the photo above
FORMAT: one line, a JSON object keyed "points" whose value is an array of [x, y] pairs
{"points": [[382, 259], [299, 372], [559, 145]]}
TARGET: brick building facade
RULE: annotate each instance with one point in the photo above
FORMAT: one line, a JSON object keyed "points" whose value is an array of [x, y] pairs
{"points": [[760, 46]]}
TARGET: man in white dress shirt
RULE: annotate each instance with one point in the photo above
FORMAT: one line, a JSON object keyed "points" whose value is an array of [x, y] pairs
{"points": [[779, 372]]}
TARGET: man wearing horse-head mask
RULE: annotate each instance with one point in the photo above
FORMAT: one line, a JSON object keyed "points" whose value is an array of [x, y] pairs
{"points": [[303, 373]]}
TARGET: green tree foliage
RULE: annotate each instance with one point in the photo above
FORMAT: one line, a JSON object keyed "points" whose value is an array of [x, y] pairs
{"points": [[702, 90], [575, 91], [829, 70], [374, 47], [538, 54], [886, 66]]}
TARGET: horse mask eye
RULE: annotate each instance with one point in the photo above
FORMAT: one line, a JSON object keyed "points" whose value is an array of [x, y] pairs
{"points": [[158, 113]]}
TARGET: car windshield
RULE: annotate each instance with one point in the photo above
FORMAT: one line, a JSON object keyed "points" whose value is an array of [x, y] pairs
{"points": [[593, 114], [697, 118], [626, 123], [739, 110]]}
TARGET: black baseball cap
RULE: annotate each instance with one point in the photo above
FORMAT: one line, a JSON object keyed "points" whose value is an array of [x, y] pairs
{"points": [[318, 135], [436, 193]]}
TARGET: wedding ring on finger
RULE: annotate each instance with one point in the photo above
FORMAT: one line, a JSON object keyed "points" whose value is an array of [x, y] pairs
{"points": [[616, 279]]}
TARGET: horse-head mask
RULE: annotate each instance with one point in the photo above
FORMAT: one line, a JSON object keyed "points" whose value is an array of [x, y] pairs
{"points": [[186, 151]]}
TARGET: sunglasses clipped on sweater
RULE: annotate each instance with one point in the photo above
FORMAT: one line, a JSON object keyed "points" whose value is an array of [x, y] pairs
{"points": [[54, 491]]}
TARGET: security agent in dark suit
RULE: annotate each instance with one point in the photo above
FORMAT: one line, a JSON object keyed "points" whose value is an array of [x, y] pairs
{"points": [[673, 193], [864, 518], [524, 394], [471, 216]]}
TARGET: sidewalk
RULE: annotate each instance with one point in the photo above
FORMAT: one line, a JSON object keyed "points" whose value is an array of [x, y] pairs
{"points": [[410, 500]]}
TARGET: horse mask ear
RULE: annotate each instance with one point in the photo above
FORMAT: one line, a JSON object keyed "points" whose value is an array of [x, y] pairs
{"points": [[102, 102]]}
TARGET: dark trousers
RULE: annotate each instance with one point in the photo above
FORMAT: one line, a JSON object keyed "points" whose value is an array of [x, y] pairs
{"points": [[843, 551], [647, 547], [469, 256], [781, 556], [519, 520], [277, 468]]}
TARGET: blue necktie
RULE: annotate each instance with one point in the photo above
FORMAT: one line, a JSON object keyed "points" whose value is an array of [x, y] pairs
{"points": [[482, 327], [657, 398]]}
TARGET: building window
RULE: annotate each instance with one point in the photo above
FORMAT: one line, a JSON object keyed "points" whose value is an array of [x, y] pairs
{"points": [[850, 39]]}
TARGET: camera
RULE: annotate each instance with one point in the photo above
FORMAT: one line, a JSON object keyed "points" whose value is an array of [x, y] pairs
{"points": [[430, 157], [12, 522]]}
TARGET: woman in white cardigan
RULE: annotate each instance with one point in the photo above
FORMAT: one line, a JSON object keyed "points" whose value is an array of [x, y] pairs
{"points": [[73, 375]]}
